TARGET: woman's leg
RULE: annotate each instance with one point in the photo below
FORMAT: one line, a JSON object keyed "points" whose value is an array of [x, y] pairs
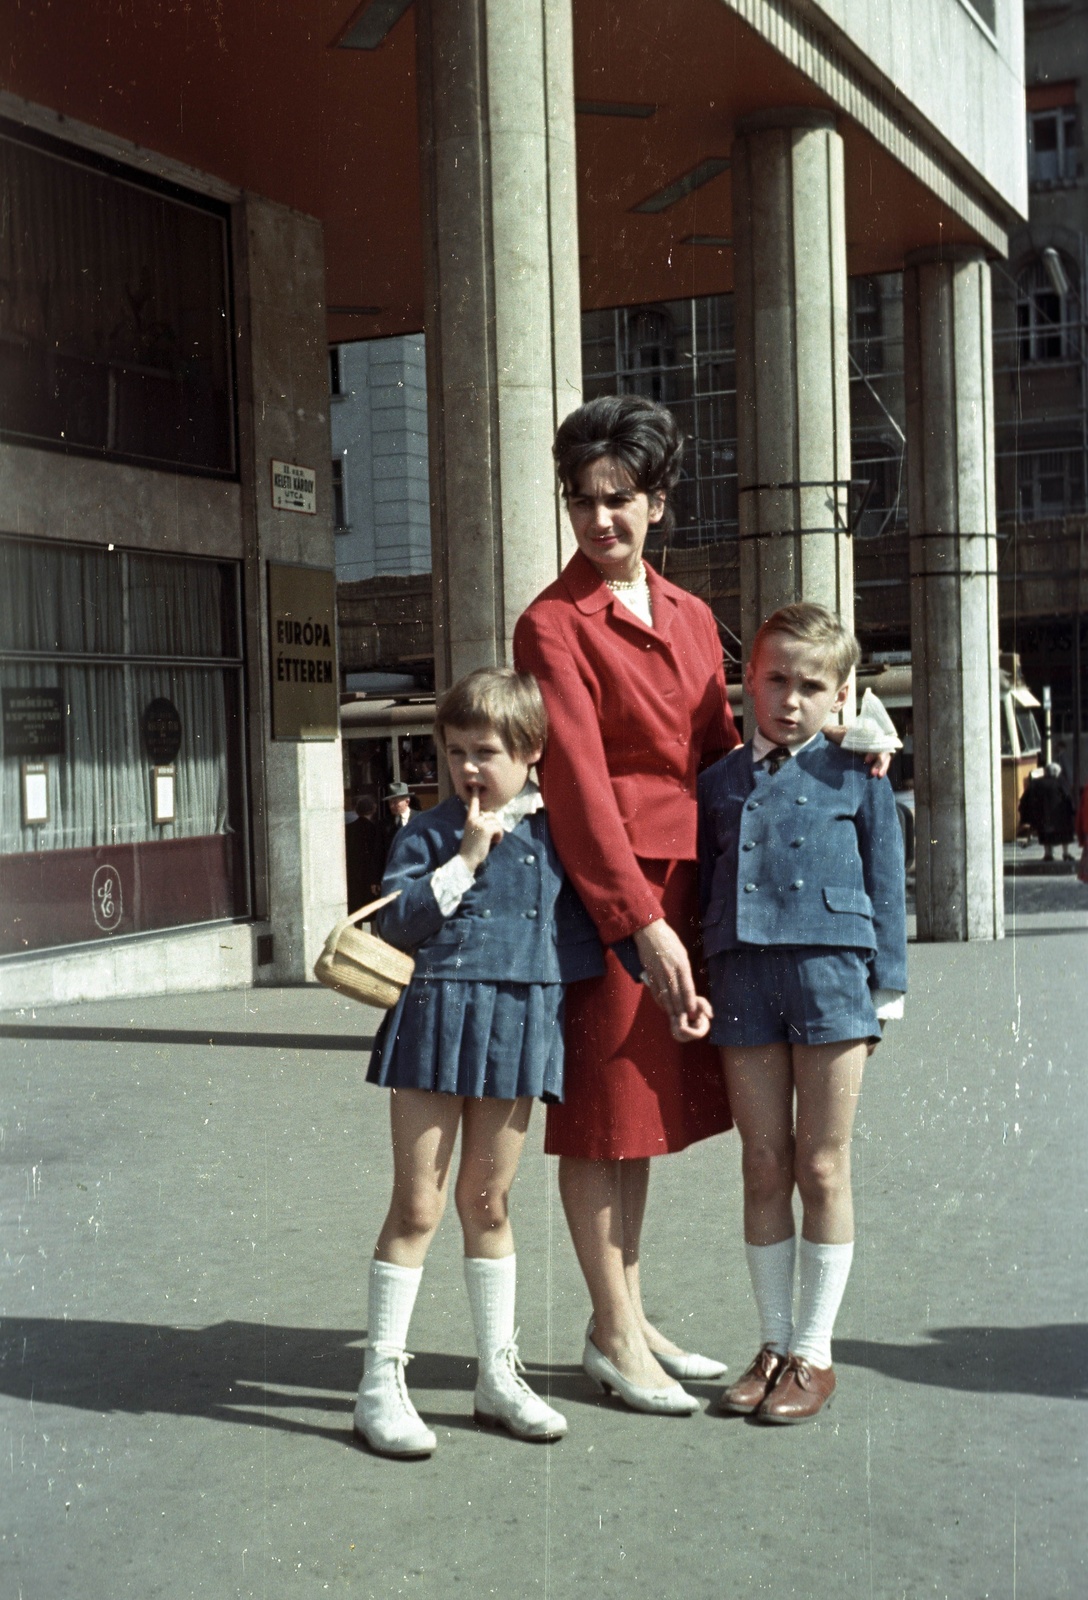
{"points": [[424, 1130], [593, 1199]]}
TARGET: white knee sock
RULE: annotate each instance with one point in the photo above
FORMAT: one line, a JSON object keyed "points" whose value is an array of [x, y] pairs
{"points": [[491, 1292], [391, 1299], [823, 1271], [771, 1268]]}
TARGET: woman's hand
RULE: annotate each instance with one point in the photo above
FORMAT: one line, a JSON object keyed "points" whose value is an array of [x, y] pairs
{"points": [[878, 761], [667, 974], [482, 832], [684, 1031]]}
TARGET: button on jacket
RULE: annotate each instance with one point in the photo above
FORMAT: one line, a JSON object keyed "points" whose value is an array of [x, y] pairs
{"points": [[518, 922], [811, 855]]}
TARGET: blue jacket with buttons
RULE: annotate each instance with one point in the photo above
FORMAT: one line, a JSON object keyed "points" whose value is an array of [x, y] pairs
{"points": [[519, 922], [811, 855]]}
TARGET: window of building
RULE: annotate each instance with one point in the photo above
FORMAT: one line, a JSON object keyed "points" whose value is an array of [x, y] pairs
{"points": [[1050, 483], [1048, 310], [879, 463], [336, 373], [340, 496], [121, 677], [1052, 145], [115, 328], [866, 326], [680, 352]]}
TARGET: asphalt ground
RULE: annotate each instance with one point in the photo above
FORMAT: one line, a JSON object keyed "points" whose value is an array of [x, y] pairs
{"points": [[189, 1193]]}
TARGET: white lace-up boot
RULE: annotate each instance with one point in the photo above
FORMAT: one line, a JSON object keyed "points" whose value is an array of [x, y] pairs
{"points": [[503, 1399], [385, 1418]]}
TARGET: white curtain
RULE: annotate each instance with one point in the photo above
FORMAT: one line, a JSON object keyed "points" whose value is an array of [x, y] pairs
{"points": [[74, 601]]}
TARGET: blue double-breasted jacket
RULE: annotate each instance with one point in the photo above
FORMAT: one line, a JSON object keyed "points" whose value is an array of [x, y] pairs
{"points": [[519, 921], [811, 855]]}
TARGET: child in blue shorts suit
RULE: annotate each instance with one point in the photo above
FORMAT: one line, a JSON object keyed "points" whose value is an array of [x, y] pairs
{"points": [[804, 919], [477, 1035]]}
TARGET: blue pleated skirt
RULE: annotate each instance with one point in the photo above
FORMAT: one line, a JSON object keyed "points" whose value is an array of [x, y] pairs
{"points": [[493, 1040]]}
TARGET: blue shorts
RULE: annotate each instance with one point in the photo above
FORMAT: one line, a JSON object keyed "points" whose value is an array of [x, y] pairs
{"points": [[790, 994]]}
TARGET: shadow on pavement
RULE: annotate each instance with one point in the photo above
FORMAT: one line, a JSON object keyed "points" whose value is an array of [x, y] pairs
{"points": [[122, 1035], [237, 1371], [1049, 1361], [228, 1373]]}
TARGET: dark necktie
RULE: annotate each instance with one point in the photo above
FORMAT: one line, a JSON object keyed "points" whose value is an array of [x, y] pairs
{"points": [[776, 755]]}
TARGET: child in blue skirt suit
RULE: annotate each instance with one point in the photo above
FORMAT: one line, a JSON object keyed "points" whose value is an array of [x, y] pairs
{"points": [[475, 1038], [805, 937]]}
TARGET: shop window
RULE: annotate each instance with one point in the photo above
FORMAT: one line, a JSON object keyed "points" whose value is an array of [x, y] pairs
{"points": [[1052, 146], [1048, 309], [115, 329], [121, 679]]}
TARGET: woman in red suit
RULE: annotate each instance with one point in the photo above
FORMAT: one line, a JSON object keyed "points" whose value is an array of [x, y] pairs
{"points": [[631, 671]]}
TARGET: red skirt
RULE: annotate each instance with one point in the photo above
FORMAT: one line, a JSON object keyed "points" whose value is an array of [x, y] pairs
{"points": [[630, 1090]]}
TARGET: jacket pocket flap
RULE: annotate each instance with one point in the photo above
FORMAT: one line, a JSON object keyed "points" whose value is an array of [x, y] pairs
{"points": [[856, 901]]}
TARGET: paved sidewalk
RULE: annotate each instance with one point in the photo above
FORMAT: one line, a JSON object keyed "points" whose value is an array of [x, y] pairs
{"points": [[189, 1192]]}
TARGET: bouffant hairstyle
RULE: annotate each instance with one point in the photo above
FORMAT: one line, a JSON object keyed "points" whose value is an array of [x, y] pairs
{"points": [[499, 698], [642, 436], [819, 627]]}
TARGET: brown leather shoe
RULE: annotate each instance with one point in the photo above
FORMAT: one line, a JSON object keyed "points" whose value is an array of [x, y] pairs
{"points": [[753, 1387], [800, 1392]]}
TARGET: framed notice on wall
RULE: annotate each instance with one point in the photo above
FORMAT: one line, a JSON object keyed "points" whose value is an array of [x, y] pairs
{"points": [[302, 652]]}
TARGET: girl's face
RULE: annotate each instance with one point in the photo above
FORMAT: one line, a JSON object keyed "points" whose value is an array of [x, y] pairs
{"points": [[793, 689], [611, 519], [480, 763]]}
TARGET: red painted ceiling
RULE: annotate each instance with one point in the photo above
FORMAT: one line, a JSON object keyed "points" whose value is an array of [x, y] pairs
{"points": [[256, 92]]}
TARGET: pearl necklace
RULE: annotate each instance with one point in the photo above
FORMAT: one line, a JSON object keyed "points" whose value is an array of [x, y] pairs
{"points": [[627, 586]]}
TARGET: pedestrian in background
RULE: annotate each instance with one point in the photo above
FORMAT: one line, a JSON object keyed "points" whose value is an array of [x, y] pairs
{"points": [[1046, 808]]}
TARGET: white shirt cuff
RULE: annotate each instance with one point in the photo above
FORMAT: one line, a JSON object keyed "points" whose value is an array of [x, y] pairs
{"points": [[888, 1004], [449, 882]]}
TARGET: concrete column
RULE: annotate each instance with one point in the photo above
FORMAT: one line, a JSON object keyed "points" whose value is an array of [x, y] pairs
{"points": [[953, 556], [496, 94], [793, 399], [297, 788]]}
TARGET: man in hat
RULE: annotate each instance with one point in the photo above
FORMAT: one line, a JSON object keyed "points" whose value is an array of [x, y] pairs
{"points": [[398, 807]]}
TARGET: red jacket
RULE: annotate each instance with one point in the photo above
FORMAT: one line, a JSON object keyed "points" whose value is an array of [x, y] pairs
{"points": [[635, 714]]}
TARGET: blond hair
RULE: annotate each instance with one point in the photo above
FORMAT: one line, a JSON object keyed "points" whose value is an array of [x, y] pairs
{"points": [[507, 702], [819, 627]]}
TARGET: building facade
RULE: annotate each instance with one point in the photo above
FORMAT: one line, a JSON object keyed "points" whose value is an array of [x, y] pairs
{"points": [[482, 172]]}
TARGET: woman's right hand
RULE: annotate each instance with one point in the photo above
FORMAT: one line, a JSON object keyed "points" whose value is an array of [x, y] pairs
{"points": [[482, 831], [668, 977]]}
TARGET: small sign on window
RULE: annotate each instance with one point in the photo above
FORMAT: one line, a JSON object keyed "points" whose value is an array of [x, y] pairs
{"points": [[35, 793], [294, 488]]}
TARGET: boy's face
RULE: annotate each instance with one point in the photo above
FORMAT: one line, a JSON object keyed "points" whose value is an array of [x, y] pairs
{"points": [[481, 764], [793, 688]]}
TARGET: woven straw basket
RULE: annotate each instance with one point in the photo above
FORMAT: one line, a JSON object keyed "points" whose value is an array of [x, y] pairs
{"points": [[361, 965]]}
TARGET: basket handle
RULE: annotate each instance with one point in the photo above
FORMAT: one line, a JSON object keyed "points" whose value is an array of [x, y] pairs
{"points": [[358, 916]]}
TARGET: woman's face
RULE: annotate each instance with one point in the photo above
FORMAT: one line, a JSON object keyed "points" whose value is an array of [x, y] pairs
{"points": [[611, 519]]}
